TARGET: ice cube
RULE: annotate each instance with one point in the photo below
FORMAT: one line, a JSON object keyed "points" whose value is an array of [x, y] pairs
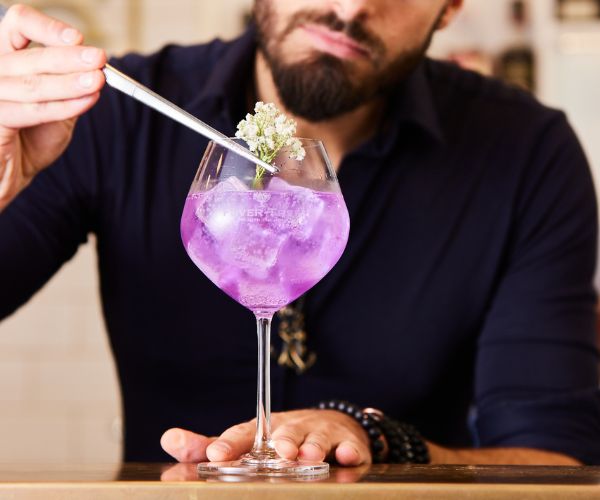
{"points": [[219, 221], [228, 280], [232, 183], [278, 184], [295, 209], [303, 261], [200, 248], [218, 208], [254, 249]]}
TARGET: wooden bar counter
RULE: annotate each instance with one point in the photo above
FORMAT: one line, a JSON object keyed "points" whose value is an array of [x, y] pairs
{"points": [[179, 481]]}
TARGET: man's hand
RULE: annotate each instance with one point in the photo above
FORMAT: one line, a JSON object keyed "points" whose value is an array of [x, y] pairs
{"points": [[42, 92], [318, 434], [304, 434]]}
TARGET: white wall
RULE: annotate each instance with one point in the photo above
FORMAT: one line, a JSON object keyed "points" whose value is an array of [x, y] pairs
{"points": [[59, 399], [482, 24], [189, 21]]}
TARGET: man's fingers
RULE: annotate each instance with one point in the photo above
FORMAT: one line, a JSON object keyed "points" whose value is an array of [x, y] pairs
{"points": [[316, 446], [23, 24], [16, 115], [43, 88], [52, 60], [352, 453], [185, 446], [287, 439], [180, 472], [232, 443], [351, 475]]}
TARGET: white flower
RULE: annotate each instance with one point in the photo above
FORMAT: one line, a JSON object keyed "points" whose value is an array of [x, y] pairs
{"points": [[268, 131], [297, 151]]}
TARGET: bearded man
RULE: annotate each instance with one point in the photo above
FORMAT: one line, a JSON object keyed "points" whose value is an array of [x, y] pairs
{"points": [[463, 304]]}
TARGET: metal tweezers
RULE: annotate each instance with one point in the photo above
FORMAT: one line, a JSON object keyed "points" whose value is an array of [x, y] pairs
{"points": [[127, 85]]}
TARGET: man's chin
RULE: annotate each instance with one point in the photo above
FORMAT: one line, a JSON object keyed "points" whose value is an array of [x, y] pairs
{"points": [[323, 62]]}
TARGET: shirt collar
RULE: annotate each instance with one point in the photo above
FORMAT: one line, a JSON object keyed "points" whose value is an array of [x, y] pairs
{"points": [[412, 105], [415, 103]]}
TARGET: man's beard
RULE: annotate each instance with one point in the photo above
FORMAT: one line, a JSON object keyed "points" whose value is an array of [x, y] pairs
{"points": [[323, 86]]}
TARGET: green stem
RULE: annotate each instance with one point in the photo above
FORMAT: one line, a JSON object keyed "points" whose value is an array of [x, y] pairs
{"points": [[260, 171], [257, 183]]}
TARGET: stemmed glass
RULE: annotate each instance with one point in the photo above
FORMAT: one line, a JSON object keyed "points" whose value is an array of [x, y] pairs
{"points": [[265, 240]]}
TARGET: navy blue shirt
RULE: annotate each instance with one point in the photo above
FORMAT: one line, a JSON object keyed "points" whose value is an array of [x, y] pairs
{"points": [[463, 303]]}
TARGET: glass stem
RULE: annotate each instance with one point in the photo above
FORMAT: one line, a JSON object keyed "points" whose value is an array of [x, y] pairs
{"points": [[263, 445]]}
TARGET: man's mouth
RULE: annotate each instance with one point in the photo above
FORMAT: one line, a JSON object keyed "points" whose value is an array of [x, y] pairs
{"points": [[334, 42]]}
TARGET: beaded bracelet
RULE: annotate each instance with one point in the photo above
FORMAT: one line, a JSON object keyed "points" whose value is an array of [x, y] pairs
{"points": [[405, 444]]}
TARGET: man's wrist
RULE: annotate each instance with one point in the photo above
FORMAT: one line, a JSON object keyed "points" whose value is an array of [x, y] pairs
{"points": [[390, 441], [441, 455]]}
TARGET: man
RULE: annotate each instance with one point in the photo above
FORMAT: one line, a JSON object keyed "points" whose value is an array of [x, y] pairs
{"points": [[463, 303]]}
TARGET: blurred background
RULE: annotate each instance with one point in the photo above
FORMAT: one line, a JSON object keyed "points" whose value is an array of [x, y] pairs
{"points": [[59, 397]]}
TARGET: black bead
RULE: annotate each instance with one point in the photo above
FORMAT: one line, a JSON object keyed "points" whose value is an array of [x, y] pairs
{"points": [[393, 434], [374, 433], [367, 423], [394, 442], [405, 444]]}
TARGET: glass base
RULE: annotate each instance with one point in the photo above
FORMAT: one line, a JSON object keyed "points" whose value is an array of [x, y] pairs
{"points": [[250, 466]]}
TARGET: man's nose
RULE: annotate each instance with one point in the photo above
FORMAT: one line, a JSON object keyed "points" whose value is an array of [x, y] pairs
{"points": [[348, 10]]}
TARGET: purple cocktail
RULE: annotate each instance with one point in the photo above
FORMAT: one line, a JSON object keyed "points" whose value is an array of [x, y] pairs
{"points": [[264, 248], [265, 240]]}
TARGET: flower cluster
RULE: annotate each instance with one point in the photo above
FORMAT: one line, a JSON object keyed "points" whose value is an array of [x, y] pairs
{"points": [[268, 131]]}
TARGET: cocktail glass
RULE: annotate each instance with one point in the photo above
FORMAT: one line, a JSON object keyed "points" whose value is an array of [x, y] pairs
{"points": [[265, 241]]}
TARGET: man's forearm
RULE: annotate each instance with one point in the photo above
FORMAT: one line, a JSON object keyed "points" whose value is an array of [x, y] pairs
{"points": [[498, 456]]}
